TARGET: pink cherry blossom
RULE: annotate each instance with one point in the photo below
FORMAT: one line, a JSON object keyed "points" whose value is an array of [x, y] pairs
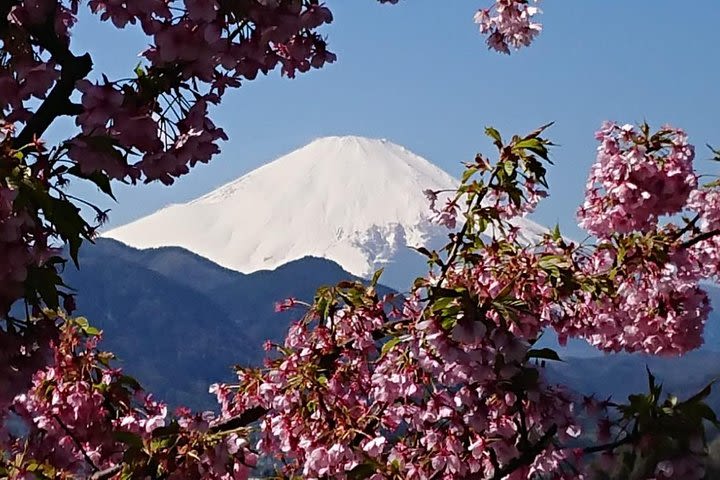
{"points": [[509, 23]]}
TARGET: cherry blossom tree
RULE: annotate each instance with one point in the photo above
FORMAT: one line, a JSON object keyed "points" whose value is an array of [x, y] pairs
{"points": [[445, 382], [152, 126]]}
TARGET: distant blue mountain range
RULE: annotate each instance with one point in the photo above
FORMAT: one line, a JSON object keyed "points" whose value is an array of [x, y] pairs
{"points": [[178, 322]]}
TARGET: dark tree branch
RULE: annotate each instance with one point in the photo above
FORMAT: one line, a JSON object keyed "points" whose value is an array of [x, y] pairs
{"points": [[627, 439], [77, 443], [527, 457], [57, 103], [690, 225], [238, 421], [700, 238]]}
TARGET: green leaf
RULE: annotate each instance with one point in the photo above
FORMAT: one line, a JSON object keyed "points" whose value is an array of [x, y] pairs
{"points": [[68, 221], [82, 322], [509, 167], [389, 345], [448, 323], [469, 172], [161, 443], [556, 232], [528, 143], [701, 395], [101, 180], [129, 382], [423, 250], [43, 282], [376, 276], [171, 429], [442, 303], [541, 152], [707, 413], [655, 389], [494, 134], [139, 70]]}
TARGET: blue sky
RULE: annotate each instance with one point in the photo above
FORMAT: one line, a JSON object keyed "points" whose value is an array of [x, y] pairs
{"points": [[419, 74]]}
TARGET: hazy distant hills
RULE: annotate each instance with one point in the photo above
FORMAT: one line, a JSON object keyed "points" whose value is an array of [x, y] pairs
{"points": [[179, 322]]}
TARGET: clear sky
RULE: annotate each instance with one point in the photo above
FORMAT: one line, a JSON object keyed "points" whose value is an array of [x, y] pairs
{"points": [[419, 74]]}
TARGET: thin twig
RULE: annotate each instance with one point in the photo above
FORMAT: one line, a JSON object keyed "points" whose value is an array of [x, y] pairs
{"points": [[77, 443]]}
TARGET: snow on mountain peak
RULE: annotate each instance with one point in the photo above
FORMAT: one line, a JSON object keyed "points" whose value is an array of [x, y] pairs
{"points": [[354, 200]]}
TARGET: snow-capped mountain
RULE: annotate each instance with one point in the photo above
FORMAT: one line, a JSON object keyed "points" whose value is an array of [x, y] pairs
{"points": [[356, 201]]}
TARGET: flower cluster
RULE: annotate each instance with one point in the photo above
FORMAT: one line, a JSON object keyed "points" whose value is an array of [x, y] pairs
{"points": [[22, 353], [509, 23], [705, 248], [637, 178], [646, 296], [430, 403], [84, 416], [651, 306], [212, 44]]}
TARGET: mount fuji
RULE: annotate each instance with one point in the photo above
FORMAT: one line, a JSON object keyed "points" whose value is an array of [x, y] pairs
{"points": [[356, 201]]}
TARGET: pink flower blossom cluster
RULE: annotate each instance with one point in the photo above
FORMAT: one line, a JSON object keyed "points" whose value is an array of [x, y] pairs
{"points": [[435, 404], [206, 45], [22, 353], [636, 179], [199, 49], [79, 410], [652, 306], [652, 300], [705, 203], [25, 76], [66, 408], [509, 23]]}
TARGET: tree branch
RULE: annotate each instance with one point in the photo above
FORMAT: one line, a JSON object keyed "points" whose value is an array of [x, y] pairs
{"points": [[700, 238], [58, 102], [77, 443], [242, 420], [690, 225], [527, 457], [610, 446]]}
